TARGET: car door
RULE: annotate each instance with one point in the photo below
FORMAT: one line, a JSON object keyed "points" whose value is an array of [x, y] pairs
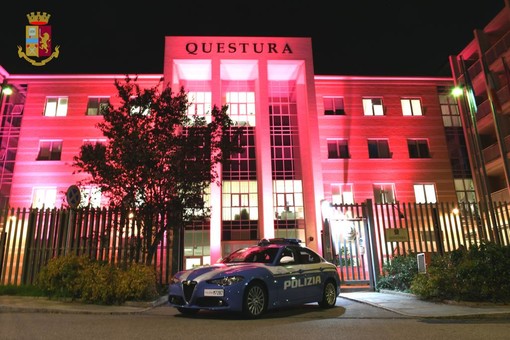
{"points": [[311, 271], [291, 281]]}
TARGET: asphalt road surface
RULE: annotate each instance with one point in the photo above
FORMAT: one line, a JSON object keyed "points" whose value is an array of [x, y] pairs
{"points": [[348, 320]]}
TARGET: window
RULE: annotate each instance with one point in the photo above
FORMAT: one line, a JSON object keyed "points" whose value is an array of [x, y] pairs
{"points": [[411, 107], [465, 189], [418, 148], [373, 107], [138, 110], [240, 200], [342, 193], [338, 149], [91, 197], [44, 197], [425, 193], [449, 110], [241, 107], [384, 193], [333, 106], [94, 141], [97, 105], [239, 210], [200, 104], [138, 107], [55, 107], [49, 150], [378, 148], [288, 199]]}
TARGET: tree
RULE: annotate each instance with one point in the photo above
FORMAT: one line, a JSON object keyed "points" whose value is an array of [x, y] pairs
{"points": [[158, 160]]}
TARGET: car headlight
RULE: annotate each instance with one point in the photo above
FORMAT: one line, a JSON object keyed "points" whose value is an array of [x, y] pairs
{"points": [[226, 281]]}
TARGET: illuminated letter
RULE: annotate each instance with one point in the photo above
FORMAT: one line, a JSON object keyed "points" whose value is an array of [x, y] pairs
{"points": [[232, 48], [272, 48], [221, 47], [286, 49], [243, 46], [261, 48], [204, 49], [191, 48]]}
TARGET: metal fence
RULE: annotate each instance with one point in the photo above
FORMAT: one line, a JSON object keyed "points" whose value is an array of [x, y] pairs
{"points": [[360, 238], [29, 238]]}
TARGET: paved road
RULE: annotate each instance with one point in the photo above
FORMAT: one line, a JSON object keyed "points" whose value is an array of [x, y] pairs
{"points": [[349, 320]]}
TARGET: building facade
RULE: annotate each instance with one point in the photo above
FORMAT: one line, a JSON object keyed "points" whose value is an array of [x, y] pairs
{"points": [[309, 138], [481, 70]]}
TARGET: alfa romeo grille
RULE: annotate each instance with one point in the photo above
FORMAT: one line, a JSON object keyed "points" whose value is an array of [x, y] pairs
{"points": [[188, 287]]}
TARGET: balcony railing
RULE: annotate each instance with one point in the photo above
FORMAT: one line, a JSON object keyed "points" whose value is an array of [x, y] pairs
{"points": [[491, 153], [498, 49]]}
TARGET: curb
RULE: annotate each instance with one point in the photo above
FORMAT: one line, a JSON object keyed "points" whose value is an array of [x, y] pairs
{"points": [[44, 305]]}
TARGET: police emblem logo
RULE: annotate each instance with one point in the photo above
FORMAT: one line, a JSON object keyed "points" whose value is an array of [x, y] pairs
{"points": [[38, 42]]}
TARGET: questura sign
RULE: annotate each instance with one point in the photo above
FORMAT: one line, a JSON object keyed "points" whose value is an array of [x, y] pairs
{"points": [[194, 48]]}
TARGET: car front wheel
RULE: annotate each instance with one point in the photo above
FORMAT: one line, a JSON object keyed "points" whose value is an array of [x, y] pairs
{"points": [[328, 295], [255, 300]]}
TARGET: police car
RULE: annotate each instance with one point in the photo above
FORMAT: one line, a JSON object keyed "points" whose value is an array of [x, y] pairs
{"points": [[273, 274]]}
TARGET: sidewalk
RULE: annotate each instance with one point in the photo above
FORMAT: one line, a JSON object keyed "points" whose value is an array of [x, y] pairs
{"points": [[410, 305], [42, 304], [401, 303]]}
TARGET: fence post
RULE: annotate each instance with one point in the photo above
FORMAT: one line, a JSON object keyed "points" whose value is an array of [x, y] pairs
{"points": [[437, 229], [28, 259], [70, 216], [371, 244], [3, 238]]}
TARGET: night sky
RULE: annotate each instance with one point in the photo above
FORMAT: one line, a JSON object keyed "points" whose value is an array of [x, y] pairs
{"points": [[392, 37]]}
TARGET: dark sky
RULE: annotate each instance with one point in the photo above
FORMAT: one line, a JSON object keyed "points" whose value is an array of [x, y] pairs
{"points": [[355, 37]]}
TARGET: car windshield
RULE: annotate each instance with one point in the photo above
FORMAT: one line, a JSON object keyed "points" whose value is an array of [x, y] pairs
{"points": [[252, 254]]}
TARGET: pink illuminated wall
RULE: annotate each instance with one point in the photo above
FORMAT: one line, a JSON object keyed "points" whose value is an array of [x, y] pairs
{"points": [[72, 129], [213, 64], [357, 128]]}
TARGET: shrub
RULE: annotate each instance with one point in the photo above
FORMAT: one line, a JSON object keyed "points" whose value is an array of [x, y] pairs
{"points": [[137, 283], [438, 282], [481, 273], [96, 282], [398, 273], [60, 277]]}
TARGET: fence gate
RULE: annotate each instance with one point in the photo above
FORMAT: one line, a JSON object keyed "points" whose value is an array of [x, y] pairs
{"points": [[347, 243]]}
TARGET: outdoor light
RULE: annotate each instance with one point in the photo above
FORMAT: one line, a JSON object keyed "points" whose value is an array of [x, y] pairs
{"points": [[457, 91], [6, 90], [455, 211], [326, 210]]}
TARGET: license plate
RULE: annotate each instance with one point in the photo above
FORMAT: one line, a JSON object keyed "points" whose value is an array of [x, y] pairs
{"points": [[213, 292]]}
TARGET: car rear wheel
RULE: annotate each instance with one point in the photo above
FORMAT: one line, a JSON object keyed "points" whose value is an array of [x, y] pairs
{"points": [[187, 311], [328, 295], [255, 300]]}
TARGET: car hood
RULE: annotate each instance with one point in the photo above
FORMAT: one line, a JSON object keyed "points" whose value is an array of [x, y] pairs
{"points": [[218, 270]]}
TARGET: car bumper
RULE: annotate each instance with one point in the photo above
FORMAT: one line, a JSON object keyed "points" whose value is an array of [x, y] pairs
{"points": [[198, 298]]}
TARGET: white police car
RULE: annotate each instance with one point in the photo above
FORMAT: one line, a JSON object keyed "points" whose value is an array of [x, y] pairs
{"points": [[275, 273]]}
